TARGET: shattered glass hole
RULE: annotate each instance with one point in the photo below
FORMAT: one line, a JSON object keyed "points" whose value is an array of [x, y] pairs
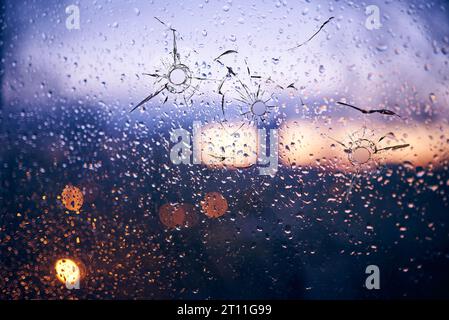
{"points": [[179, 78], [259, 108], [360, 155]]}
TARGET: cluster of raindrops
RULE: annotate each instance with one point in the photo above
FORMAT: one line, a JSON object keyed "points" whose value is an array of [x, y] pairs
{"points": [[145, 228], [253, 95]]}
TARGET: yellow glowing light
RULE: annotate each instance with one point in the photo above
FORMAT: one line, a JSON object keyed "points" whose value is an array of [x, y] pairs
{"points": [[304, 143], [308, 144], [68, 272]]}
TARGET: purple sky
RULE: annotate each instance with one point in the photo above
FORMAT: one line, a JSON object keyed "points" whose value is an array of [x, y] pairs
{"points": [[118, 41]]}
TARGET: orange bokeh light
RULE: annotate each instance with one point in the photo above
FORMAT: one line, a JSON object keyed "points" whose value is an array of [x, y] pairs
{"points": [[72, 198], [214, 205], [172, 215]]}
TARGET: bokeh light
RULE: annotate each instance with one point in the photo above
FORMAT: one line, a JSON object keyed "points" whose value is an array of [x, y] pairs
{"points": [[214, 204], [72, 198], [68, 272], [172, 215]]}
